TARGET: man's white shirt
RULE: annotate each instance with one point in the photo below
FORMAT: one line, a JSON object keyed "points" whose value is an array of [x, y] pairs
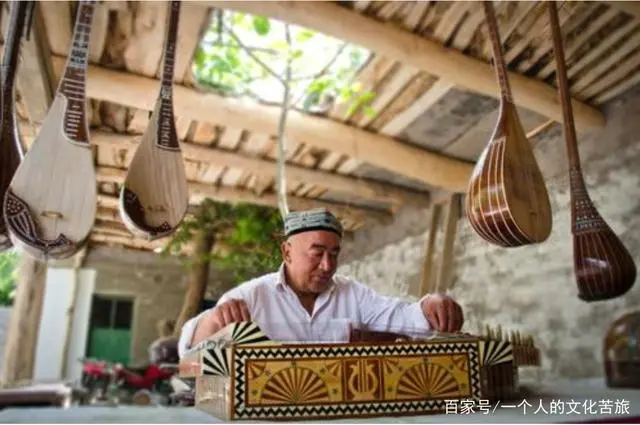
{"points": [[347, 304]]}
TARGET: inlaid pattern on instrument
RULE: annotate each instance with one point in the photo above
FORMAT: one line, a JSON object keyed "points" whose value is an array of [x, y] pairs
{"points": [[507, 203], [603, 267], [272, 380], [495, 352], [154, 197]]}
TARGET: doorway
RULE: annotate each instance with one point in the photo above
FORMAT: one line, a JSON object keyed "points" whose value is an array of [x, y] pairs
{"points": [[110, 329]]}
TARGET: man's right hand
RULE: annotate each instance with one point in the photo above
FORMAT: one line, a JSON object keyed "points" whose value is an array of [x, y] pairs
{"points": [[220, 316]]}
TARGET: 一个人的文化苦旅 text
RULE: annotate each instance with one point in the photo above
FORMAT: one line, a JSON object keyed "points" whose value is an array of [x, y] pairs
{"points": [[541, 407]]}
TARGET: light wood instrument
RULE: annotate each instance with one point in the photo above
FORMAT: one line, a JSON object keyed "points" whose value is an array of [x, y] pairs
{"points": [[507, 203], [154, 197], [241, 373], [11, 151], [603, 267], [50, 205]]}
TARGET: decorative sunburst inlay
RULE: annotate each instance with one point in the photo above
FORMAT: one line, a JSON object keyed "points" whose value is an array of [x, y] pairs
{"points": [[294, 386], [427, 380]]}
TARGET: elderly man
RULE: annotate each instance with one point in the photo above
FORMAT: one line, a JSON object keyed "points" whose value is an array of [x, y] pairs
{"points": [[305, 301]]}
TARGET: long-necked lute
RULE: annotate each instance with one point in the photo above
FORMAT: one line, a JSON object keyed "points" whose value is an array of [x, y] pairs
{"points": [[11, 150], [154, 197], [50, 205], [507, 202], [603, 267]]}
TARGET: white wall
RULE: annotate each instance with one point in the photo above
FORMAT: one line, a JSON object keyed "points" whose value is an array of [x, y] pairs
{"points": [[53, 324]]}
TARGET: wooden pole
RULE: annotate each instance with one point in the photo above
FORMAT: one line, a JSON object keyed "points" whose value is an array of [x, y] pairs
{"points": [[78, 261], [429, 250], [450, 231], [198, 279], [22, 335]]}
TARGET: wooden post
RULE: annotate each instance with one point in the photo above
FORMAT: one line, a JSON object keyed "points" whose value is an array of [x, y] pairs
{"points": [[198, 279], [429, 250], [22, 335], [446, 257], [78, 261]]}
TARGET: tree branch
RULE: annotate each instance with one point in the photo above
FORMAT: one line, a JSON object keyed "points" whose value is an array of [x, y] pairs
{"points": [[325, 68], [253, 56], [282, 186]]}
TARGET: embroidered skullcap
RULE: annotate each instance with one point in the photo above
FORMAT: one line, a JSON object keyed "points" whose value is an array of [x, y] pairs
{"points": [[306, 221]]}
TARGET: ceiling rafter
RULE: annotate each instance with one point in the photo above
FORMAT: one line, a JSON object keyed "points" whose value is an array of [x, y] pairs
{"points": [[238, 195], [141, 92], [428, 55], [367, 189]]}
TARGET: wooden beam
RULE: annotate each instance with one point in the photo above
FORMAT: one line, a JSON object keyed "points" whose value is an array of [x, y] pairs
{"points": [[382, 151], [237, 195], [266, 168], [22, 335], [428, 55]]}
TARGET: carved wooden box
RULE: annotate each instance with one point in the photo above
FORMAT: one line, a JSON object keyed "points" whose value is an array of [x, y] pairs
{"points": [[267, 380]]}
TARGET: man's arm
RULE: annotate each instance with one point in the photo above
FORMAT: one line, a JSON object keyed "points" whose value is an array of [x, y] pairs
{"points": [[388, 314], [207, 323]]}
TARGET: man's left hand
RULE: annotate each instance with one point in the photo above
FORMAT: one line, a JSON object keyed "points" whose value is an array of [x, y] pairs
{"points": [[443, 313]]}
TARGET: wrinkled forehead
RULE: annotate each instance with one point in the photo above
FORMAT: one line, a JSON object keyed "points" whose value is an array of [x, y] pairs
{"points": [[318, 238]]}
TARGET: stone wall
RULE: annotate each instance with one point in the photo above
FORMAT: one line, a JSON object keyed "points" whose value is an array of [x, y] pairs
{"points": [[530, 289], [157, 286]]}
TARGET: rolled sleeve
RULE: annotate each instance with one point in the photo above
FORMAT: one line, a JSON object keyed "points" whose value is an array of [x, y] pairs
{"points": [[387, 314], [186, 334]]}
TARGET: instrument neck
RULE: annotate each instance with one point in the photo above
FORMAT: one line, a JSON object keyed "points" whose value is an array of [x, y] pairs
{"points": [[496, 46], [565, 97], [170, 52], [79, 53]]}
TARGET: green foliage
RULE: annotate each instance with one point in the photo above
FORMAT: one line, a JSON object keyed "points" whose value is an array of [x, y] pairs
{"points": [[250, 234], [8, 276], [241, 53]]}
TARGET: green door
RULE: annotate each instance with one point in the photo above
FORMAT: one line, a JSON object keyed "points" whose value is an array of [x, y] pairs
{"points": [[110, 329]]}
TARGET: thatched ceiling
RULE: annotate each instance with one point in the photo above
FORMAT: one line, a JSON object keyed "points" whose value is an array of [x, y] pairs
{"points": [[435, 98]]}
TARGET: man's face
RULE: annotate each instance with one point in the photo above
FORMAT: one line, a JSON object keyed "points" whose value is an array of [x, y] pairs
{"points": [[312, 260]]}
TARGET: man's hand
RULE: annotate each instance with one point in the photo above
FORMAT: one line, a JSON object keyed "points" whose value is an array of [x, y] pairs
{"points": [[443, 313], [228, 312]]}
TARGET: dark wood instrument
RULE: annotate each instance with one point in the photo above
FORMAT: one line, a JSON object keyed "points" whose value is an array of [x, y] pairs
{"points": [[507, 203], [603, 266], [154, 197], [11, 151], [50, 205]]}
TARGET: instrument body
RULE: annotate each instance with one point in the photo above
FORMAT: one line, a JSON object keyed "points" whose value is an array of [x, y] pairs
{"points": [[50, 204], [11, 151], [507, 202], [154, 197], [603, 267], [241, 374]]}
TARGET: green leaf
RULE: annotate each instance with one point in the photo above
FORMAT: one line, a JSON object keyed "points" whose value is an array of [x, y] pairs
{"points": [[261, 25], [368, 111], [304, 35]]}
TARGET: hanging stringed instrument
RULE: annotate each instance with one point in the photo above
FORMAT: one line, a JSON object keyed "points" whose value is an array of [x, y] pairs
{"points": [[11, 151], [50, 205], [603, 266], [507, 203], [154, 197]]}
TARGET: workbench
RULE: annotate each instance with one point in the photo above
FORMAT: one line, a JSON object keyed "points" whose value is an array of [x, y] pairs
{"points": [[576, 401]]}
